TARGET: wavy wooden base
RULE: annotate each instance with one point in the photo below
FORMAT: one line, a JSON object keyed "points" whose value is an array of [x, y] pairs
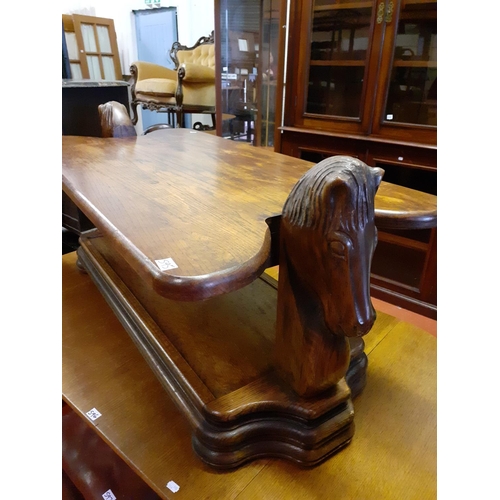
{"points": [[214, 359]]}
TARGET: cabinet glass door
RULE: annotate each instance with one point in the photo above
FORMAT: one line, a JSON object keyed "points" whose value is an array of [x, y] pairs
{"points": [[339, 52], [412, 92]]}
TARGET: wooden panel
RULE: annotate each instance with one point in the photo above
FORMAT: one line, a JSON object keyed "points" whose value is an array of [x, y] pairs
{"points": [[68, 23]]}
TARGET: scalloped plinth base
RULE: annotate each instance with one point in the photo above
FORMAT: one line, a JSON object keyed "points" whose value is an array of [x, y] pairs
{"points": [[250, 416]]}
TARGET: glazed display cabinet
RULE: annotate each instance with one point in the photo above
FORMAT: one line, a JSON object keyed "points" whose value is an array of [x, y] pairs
{"points": [[361, 80]]}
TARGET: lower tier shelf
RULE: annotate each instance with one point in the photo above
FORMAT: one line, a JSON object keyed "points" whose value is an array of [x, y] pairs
{"points": [[214, 358]]}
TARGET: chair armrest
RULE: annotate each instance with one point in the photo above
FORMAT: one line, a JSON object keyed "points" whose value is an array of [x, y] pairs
{"points": [[145, 70], [197, 73]]}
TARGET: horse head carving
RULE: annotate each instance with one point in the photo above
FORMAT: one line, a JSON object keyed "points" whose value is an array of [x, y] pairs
{"points": [[328, 237], [115, 121]]}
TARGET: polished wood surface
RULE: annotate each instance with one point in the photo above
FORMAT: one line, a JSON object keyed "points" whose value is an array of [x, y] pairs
{"points": [[392, 455], [215, 214], [209, 213]]}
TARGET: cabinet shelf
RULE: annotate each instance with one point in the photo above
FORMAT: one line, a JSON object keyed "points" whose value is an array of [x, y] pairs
{"points": [[414, 64], [338, 62], [350, 5], [421, 2], [402, 241]]}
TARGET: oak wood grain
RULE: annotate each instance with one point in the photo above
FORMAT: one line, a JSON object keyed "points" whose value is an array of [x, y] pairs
{"points": [[202, 201]]}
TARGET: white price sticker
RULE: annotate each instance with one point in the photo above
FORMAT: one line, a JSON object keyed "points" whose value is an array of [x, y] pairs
{"points": [[108, 495], [93, 414], [166, 264], [173, 487]]}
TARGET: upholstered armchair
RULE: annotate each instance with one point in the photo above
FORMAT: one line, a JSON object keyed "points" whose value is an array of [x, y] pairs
{"points": [[190, 88]]}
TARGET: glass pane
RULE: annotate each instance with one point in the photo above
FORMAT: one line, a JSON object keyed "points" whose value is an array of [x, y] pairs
{"points": [[109, 68], [89, 38], [412, 94], [76, 71], [339, 47], [71, 45], [240, 61], [335, 91], [94, 69], [269, 68], [103, 36]]}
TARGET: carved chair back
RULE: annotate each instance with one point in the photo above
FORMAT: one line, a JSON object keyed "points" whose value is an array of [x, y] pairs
{"points": [[202, 52]]}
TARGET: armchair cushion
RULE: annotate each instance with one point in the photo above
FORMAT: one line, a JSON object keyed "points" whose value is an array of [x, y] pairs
{"points": [[197, 73], [157, 86], [146, 70]]}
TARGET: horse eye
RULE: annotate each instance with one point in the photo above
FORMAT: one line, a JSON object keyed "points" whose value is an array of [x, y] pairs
{"points": [[337, 248]]}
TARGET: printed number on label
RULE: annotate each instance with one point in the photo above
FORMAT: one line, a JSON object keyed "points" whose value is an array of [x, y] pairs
{"points": [[93, 414], [166, 264]]}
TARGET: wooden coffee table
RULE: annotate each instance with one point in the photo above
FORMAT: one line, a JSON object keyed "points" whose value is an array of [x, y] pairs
{"points": [[186, 225]]}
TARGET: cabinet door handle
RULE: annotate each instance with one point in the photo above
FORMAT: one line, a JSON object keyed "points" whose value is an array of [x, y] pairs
{"points": [[390, 9], [380, 12]]}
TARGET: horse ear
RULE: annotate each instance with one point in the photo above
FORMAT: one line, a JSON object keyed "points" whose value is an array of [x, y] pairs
{"points": [[337, 190], [377, 173]]}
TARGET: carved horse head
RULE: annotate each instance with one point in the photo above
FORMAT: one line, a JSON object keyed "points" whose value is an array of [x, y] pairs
{"points": [[329, 236], [115, 121]]}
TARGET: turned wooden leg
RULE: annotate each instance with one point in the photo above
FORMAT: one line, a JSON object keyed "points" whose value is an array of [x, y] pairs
{"points": [[180, 120], [135, 116]]}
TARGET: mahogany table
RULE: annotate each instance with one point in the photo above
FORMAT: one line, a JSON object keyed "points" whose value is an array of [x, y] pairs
{"points": [[186, 225], [392, 455]]}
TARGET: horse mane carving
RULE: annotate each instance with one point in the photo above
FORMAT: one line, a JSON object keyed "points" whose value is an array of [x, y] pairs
{"points": [[306, 207], [327, 239]]}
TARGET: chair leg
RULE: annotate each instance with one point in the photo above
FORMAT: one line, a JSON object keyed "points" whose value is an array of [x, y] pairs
{"points": [[135, 116]]}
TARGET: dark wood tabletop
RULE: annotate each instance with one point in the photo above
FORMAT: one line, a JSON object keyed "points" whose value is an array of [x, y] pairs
{"points": [[202, 201]]}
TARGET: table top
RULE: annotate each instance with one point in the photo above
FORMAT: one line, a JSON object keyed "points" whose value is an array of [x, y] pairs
{"points": [[202, 201], [392, 454]]}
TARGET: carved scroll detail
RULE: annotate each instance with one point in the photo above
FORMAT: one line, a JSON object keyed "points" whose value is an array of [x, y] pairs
{"points": [[327, 239]]}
